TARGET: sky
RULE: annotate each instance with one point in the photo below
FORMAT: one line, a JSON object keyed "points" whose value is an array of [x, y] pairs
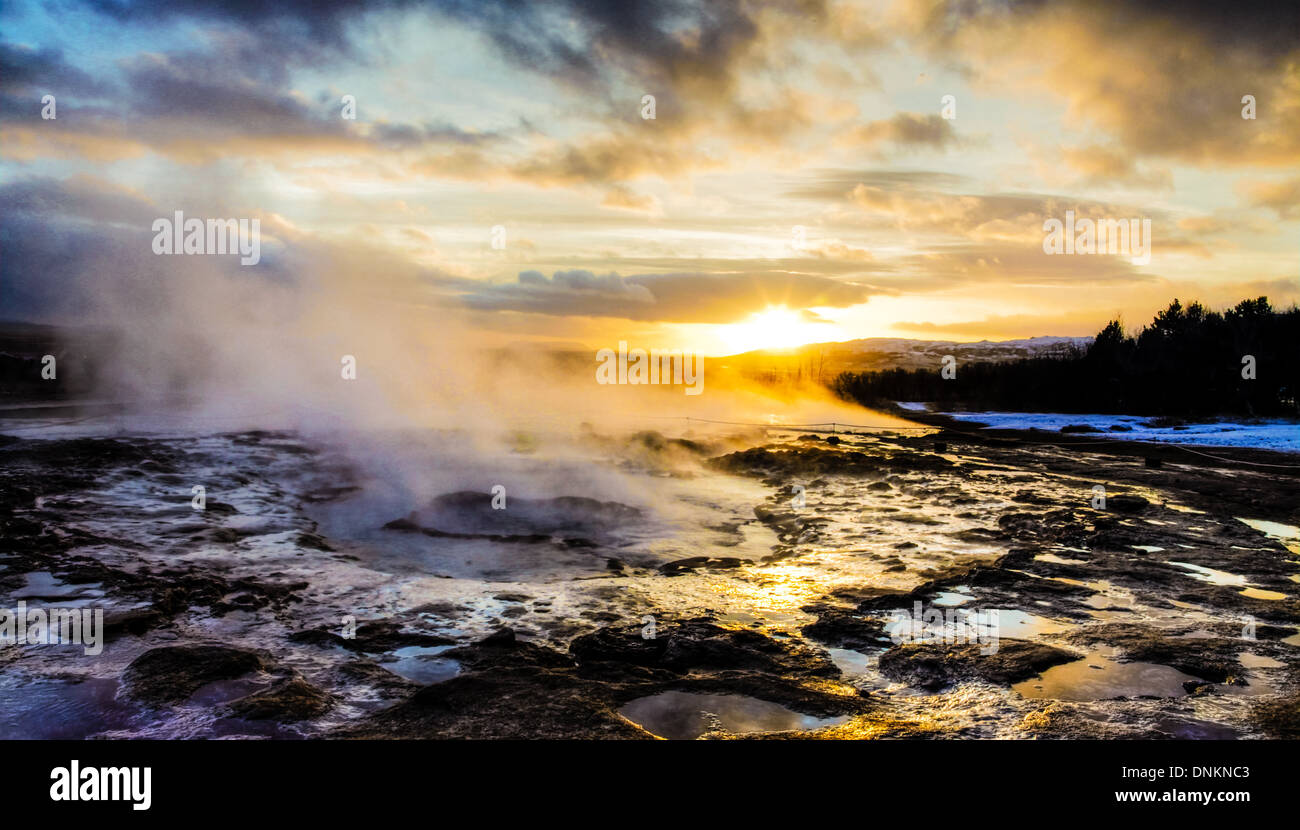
{"points": [[804, 177]]}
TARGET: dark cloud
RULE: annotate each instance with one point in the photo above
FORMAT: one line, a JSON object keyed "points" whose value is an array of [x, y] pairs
{"points": [[81, 197], [69, 245], [200, 105], [287, 27], [1162, 79], [572, 39], [908, 131], [34, 72]]}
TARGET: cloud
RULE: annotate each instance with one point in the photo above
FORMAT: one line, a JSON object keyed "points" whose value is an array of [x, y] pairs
{"points": [[836, 184], [678, 298], [624, 199], [1101, 166], [1282, 197], [1005, 217], [906, 131], [1075, 323], [29, 73], [1012, 265], [1163, 79]]}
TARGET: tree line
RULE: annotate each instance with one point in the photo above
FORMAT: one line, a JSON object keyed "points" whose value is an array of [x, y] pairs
{"points": [[1189, 362]]}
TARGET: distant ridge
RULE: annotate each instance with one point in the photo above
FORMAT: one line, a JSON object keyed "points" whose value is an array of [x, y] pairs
{"points": [[898, 352]]}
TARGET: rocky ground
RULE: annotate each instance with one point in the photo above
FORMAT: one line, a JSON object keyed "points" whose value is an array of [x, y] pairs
{"points": [[1160, 614]]}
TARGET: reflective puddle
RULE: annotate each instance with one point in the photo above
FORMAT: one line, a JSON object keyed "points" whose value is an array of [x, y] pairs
{"points": [[1211, 575], [1097, 677], [1288, 535], [685, 716], [421, 664]]}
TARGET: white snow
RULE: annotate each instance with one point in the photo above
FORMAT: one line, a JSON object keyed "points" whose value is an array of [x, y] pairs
{"points": [[1265, 434]]}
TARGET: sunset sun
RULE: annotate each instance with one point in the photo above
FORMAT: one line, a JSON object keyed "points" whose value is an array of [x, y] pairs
{"points": [[775, 327]]}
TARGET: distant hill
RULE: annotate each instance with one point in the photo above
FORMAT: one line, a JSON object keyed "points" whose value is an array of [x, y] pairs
{"points": [[823, 361]]}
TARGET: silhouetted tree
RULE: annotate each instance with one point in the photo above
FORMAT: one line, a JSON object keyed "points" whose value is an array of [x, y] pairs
{"points": [[1188, 362]]}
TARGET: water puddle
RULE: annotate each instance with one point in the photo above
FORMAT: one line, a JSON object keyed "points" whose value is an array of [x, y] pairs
{"points": [[1058, 560], [43, 585], [421, 664], [1194, 729], [1260, 593], [1258, 661], [84, 708], [1097, 677], [686, 716], [950, 599], [1288, 535], [1210, 575], [1016, 625], [854, 664]]}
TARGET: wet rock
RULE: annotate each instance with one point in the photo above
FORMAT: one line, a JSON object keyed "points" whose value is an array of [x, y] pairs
{"points": [[807, 462], [997, 587], [313, 541], [372, 637], [510, 688], [1127, 503], [290, 700], [369, 673], [171, 674], [708, 563], [507, 689], [934, 666], [839, 628], [702, 645], [137, 621], [1278, 718]]}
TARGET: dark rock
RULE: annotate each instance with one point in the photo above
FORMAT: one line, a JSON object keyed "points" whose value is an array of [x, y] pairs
{"points": [[934, 666], [130, 621], [838, 628], [371, 637], [170, 674], [1127, 503], [1278, 718], [708, 563], [288, 701]]}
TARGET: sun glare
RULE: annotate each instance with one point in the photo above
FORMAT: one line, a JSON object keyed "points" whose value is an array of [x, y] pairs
{"points": [[776, 327]]}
